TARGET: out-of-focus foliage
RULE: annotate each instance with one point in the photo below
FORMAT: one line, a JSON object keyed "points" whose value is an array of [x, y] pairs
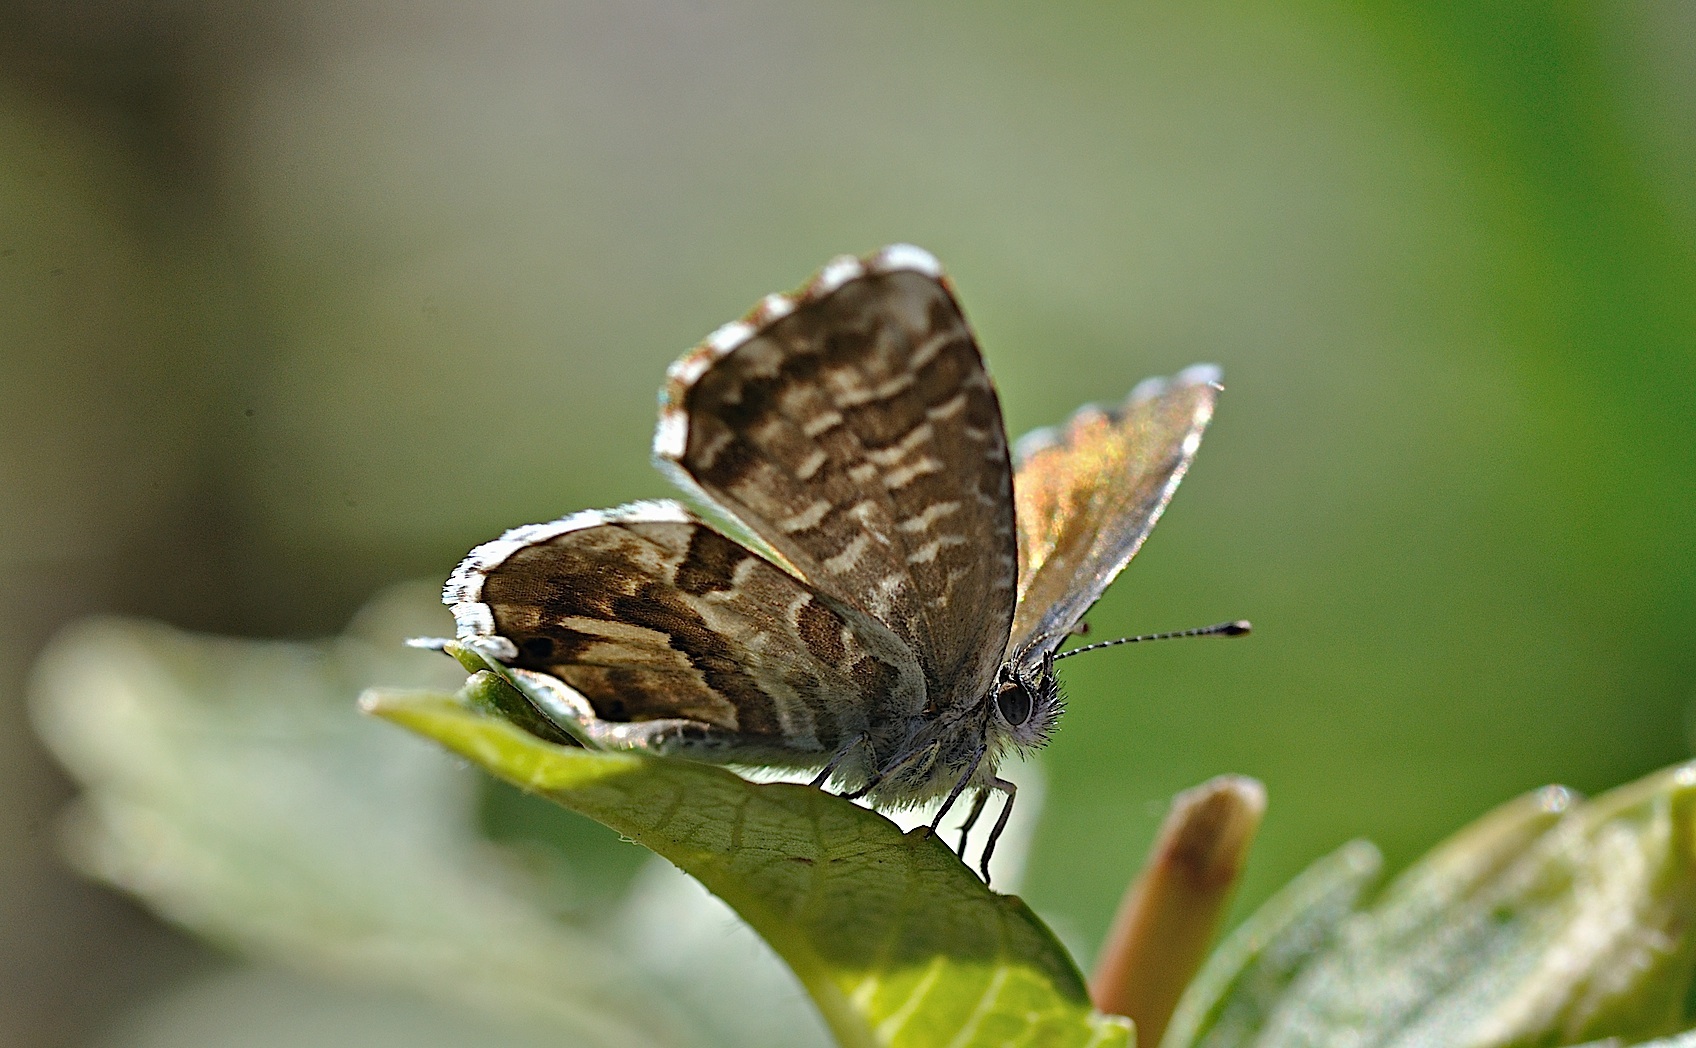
{"points": [[301, 299], [1547, 922], [235, 788]]}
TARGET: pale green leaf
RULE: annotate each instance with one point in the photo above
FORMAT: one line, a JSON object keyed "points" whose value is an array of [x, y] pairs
{"points": [[897, 942], [234, 787]]}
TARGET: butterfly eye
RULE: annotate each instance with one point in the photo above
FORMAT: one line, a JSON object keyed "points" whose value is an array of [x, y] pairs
{"points": [[1014, 702]]}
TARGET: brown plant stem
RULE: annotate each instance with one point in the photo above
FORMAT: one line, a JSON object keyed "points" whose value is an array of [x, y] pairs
{"points": [[1170, 913]]}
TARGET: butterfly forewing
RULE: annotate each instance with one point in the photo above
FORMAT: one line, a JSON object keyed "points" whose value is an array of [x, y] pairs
{"points": [[651, 615], [854, 429], [1088, 493]]}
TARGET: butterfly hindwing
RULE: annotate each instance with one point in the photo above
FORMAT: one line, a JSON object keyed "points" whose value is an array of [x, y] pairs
{"points": [[651, 615], [1089, 492], [854, 429]]}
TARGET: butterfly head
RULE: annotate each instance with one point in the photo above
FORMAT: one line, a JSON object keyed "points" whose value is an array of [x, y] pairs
{"points": [[1025, 702]]}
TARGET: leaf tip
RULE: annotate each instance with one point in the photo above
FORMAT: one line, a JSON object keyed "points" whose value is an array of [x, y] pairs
{"points": [[1360, 857], [1172, 910], [1558, 800], [1210, 828]]}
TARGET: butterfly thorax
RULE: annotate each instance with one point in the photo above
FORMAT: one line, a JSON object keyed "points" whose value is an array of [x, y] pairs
{"points": [[1017, 712]]}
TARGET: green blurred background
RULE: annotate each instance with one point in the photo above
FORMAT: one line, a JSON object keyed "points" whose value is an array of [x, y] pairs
{"points": [[300, 298]]}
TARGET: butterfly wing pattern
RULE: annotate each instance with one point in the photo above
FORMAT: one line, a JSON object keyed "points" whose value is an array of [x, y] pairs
{"points": [[854, 429], [662, 634], [895, 632]]}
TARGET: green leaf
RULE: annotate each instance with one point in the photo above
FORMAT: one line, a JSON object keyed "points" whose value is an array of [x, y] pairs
{"points": [[896, 941], [1547, 922], [1248, 976]]}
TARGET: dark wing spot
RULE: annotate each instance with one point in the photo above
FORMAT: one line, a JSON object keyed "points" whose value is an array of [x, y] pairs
{"points": [[735, 460], [536, 649], [550, 644], [821, 631], [874, 678], [710, 563], [846, 347], [942, 315], [738, 399]]}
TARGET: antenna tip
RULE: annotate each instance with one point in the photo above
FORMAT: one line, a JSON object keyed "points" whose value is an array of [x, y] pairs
{"points": [[1239, 628]]}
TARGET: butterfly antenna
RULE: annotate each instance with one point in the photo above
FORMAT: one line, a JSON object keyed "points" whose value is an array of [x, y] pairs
{"points": [[1238, 628]]}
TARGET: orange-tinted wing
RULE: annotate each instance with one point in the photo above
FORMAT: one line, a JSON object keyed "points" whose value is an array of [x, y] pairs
{"points": [[1088, 493]]}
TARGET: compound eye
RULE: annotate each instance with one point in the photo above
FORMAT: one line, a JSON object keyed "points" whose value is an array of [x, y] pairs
{"points": [[1014, 702]]}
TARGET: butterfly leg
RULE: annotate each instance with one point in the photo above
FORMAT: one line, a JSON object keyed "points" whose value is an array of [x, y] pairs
{"points": [[978, 802], [954, 794], [1000, 823], [841, 754]]}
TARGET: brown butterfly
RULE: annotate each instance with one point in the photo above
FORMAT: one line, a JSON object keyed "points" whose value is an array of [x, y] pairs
{"points": [[894, 599]]}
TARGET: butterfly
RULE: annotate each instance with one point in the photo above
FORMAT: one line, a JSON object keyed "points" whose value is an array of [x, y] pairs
{"points": [[890, 584]]}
